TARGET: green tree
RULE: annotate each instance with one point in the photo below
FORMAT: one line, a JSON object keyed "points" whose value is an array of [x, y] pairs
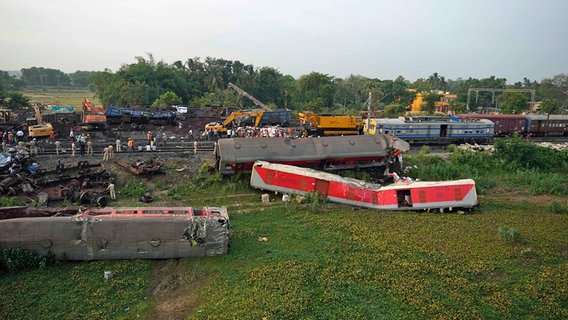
{"points": [[80, 79], [316, 91], [269, 86], [394, 110], [44, 77], [556, 88], [16, 100], [550, 106], [430, 102], [437, 82], [167, 99], [513, 102]]}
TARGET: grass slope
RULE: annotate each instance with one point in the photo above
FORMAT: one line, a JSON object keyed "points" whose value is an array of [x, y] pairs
{"points": [[331, 262]]}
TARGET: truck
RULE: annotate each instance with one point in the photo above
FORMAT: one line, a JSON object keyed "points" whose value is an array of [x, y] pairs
{"points": [[330, 125]]}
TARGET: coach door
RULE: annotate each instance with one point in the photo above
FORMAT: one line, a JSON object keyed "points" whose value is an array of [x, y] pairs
{"points": [[321, 188], [443, 130]]}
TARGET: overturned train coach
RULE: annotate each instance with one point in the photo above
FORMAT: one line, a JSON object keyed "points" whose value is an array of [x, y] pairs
{"points": [[376, 152], [417, 195], [123, 233]]}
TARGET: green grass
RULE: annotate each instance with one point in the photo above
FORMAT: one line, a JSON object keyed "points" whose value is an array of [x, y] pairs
{"points": [[335, 263], [64, 97]]}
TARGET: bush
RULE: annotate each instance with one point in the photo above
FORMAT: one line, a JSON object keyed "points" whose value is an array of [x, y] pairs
{"points": [[14, 260], [538, 182], [556, 207], [509, 235], [133, 188]]}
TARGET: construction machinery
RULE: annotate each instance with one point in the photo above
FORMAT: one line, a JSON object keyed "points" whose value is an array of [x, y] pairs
{"points": [[41, 129], [330, 125], [248, 95], [235, 119], [93, 117]]}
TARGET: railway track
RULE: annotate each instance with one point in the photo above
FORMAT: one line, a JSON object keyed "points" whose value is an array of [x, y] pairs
{"points": [[203, 147]]}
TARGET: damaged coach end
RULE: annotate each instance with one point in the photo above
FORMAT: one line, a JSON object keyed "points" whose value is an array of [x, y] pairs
{"points": [[123, 233], [373, 152], [438, 196]]}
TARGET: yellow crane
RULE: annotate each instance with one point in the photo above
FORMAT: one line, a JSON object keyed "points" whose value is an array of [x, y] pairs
{"points": [[329, 125]]}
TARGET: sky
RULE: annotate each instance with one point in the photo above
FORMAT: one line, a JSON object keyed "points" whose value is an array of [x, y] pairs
{"points": [[512, 39]]}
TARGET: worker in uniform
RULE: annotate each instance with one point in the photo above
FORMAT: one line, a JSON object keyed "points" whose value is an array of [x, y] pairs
{"points": [[73, 148], [149, 136], [130, 144], [111, 190], [57, 147], [194, 147], [118, 145], [81, 145], [51, 135], [110, 152], [105, 154], [89, 146], [33, 147]]}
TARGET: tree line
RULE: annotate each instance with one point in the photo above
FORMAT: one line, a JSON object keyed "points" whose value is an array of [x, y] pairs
{"points": [[198, 82]]}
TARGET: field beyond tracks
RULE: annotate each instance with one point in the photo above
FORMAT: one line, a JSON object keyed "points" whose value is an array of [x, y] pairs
{"points": [[64, 97]]}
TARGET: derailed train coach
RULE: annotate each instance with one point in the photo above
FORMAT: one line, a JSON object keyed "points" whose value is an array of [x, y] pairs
{"points": [[414, 195], [123, 233], [375, 152]]}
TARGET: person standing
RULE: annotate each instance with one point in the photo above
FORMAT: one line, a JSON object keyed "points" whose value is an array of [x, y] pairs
{"points": [[71, 135], [110, 152], [111, 190], [19, 136], [89, 146], [73, 148], [57, 147], [130, 144], [33, 147], [118, 145], [105, 154], [149, 136], [81, 146], [3, 146], [51, 135]]}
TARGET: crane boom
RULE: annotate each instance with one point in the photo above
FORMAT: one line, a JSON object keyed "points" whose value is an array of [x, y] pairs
{"points": [[248, 95]]}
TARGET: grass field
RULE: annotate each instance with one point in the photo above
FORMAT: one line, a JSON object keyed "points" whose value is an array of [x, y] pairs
{"points": [[326, 262], [64, 97], [509, 259]]}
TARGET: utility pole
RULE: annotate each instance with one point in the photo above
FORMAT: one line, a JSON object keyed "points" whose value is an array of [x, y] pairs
{"points": [[369, 101]]}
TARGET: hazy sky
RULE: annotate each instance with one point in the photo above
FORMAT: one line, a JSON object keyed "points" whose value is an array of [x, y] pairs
{"points": [[509, 39]]}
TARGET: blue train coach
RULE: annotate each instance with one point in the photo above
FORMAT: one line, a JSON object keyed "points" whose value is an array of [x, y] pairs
{"points": [[434, 130]]}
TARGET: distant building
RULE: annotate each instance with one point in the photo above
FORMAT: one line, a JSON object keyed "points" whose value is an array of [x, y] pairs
{"points": [[443, 106]]}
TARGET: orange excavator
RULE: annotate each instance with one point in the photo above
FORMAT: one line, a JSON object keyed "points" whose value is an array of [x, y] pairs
{"points": [[93, 117]]}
